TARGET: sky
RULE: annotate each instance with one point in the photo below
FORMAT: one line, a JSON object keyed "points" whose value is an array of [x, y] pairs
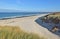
{"points": [[31, 5]]}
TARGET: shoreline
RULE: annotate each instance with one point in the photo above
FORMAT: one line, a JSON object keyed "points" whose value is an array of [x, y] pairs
{"points": [[13, 17]]}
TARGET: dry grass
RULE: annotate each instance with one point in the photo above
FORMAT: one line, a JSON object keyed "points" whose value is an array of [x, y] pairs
{"points": [[9, 32], [56, 14]]}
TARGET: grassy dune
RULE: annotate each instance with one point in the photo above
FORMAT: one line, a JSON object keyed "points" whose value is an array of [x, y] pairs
{"points": [[57, 14], [9, 32], [52, 16]]}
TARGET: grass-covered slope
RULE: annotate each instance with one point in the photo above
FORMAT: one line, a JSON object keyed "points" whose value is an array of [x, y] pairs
{"points": [[57, 14], [9, 32], [53, 20], [51, 17]]}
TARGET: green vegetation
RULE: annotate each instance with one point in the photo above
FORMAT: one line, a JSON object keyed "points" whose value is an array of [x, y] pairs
{"points": [[54, 15], [55, 18], [10, 32], [52, 19]]}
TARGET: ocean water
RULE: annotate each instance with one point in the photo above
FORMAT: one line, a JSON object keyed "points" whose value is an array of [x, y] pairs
{"points": [[20, 14]]}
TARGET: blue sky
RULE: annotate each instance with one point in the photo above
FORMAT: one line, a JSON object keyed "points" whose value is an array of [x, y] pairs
{"points": [[31, 5]]}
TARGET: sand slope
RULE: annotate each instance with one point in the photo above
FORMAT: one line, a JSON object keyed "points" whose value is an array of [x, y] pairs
{"points": [[29, 25]]}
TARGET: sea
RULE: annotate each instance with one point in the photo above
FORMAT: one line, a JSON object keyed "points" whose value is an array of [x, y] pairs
{"points": [[19, 14]]}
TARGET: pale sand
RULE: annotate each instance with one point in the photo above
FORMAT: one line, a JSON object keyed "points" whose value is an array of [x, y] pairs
{"points": [[28, 24]]}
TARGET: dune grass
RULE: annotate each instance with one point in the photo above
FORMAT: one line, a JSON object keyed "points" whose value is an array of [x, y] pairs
{"points": [[54, 15], [9, 32]]}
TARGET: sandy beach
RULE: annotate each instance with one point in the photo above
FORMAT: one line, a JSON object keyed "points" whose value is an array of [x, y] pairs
{"points": [[29, 25]]}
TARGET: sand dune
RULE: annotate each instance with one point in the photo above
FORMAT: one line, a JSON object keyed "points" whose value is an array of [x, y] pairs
{"points": [[29, 25]]}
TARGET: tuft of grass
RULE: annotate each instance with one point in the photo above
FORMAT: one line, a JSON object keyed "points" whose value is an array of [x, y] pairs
{"points": [[10, 32]]}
